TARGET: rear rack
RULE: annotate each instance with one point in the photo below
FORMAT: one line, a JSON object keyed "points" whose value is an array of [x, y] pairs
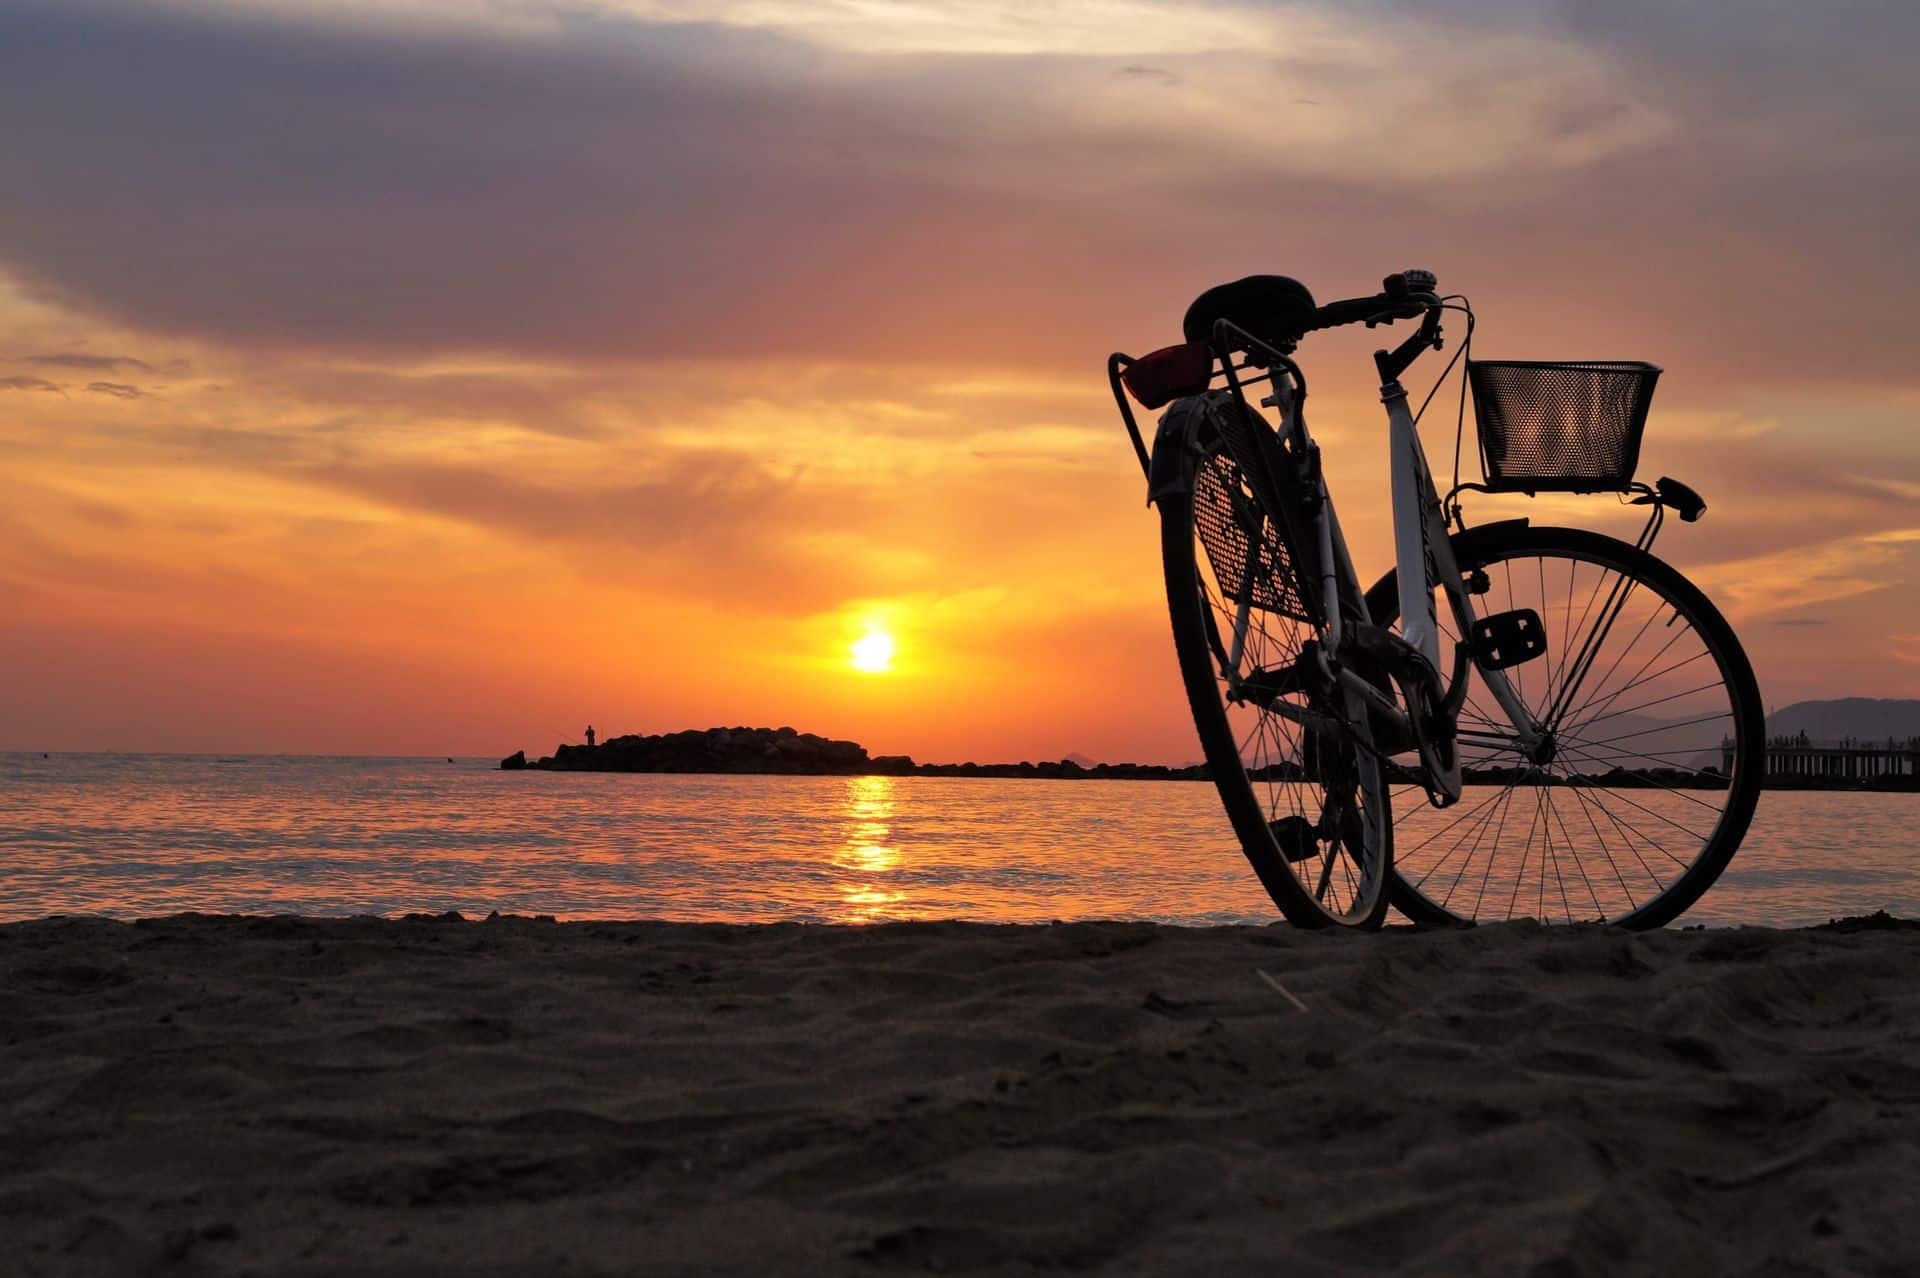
{"points": [[1227, 375]]}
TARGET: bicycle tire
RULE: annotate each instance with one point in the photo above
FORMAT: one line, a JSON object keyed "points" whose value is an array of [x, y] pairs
{"points": [[1418, 881], [1363, 869]]}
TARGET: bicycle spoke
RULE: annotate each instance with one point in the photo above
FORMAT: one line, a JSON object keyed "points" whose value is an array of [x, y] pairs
{"points": [[1679, 793], [1665, 727], [1591, 647], [1471, 824], [1635, 681], [1569, 841], [1601, 842], [1256, 642], [1639, 679], [1526, 850], [1658, 701], [1626, 802], [1628, 832]]}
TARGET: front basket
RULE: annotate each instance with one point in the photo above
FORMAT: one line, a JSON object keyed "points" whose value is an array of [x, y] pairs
{"points": [[1567, 426]]}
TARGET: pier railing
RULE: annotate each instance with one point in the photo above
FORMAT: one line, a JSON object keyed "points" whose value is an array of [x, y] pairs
{"points": [[1799, 759]]}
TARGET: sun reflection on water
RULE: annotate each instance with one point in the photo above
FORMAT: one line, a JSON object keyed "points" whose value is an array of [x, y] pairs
{"points": [[136, 836], [868, 852]]}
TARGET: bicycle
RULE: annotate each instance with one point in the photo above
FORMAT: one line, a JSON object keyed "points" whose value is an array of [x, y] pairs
{"points": [[1581, 721]]}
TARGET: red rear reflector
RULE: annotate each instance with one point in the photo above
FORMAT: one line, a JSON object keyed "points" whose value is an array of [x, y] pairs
{"points": [[1169, 373]]}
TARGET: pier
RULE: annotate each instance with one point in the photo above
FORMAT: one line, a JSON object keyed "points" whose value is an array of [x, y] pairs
{"points": [[1797, 759]]}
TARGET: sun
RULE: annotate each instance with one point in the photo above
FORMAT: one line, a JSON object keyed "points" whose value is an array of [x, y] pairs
{"points": [[873, 652]]}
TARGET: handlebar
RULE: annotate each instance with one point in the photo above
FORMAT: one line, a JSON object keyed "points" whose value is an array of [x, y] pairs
{"points": [[1406, 295]]}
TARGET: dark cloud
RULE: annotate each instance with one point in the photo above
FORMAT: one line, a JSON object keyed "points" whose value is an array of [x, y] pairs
{"points": [[29, 384], [620, 189], [90, 363], [119, 390], [694, 499]]}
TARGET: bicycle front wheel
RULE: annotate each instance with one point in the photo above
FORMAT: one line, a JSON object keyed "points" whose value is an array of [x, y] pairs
{"points": [[1647, 778], [1307, 801]]}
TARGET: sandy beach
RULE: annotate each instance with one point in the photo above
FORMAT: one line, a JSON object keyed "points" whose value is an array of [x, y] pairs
{"points": [[206, 1095]]}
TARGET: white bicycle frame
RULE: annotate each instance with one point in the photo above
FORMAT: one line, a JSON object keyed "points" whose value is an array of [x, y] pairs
{"points": [[1423, 554]]}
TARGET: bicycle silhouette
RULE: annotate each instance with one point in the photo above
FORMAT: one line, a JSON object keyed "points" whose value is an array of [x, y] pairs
{"points": [[1559, 697]]}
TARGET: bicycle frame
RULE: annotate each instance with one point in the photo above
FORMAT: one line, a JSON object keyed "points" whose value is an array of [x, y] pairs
{"points": [[1423, 553]]}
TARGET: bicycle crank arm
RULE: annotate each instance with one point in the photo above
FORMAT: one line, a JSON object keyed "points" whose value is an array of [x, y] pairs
{"points": [[1375, 699], [1312, 720]]}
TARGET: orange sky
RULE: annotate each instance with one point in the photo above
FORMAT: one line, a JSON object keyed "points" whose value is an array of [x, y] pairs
{"points": [[435, 378]]}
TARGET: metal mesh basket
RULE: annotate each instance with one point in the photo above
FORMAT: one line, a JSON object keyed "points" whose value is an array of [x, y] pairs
{"points": [[1247, 543], [1249, 555], [1569, 426]]}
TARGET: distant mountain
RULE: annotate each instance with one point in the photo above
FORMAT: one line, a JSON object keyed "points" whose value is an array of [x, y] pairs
{"points": [[1862, 718]]}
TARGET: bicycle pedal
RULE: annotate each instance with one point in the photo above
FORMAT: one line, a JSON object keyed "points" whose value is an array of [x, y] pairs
{"points": [[1297, 837], [1507, 639]]}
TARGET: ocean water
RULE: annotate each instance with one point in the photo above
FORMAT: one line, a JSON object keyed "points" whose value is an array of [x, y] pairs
{"points": [[139, 835]]}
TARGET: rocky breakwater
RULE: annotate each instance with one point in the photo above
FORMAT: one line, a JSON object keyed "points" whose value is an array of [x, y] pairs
{"points": [[734, 750], [784, 751]]}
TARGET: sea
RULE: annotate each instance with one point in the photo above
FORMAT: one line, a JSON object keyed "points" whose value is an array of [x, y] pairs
{"points": [[132, 836]]}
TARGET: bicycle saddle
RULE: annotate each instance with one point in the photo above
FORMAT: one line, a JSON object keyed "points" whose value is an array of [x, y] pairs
{"points": [[1275, 309]]}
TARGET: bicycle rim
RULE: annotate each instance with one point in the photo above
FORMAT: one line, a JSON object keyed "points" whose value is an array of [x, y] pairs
{"points": [[1308, 805], [1653, 769]]}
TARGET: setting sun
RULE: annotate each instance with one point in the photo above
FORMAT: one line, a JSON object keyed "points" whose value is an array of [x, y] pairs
{"points": [[873, 652]]}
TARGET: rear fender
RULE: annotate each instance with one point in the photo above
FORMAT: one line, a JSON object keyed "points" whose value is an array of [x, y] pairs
{"points": [[1177, 447]]}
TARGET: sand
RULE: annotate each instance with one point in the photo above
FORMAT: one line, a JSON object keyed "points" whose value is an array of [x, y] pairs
{"points": [[203, 1095]]}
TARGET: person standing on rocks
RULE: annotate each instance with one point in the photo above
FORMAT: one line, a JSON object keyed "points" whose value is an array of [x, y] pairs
{"points": [[589, 736]]}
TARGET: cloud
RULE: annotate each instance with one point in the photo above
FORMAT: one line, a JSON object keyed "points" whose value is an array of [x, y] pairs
{"points": [[693, 503], [1905, 490], [615, 186], [1812, 572], [635, 309], [90, 363]]}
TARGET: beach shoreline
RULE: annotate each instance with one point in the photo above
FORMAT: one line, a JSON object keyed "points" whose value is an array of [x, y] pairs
{"points": [[291, 1095]]}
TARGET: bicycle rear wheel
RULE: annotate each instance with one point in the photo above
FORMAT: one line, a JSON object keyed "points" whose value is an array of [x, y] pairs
{"points": [[1308, 803], [1650, 774]]}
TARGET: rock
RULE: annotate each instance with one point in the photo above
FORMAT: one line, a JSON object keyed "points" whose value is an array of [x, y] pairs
{"points": [[786, 752]]}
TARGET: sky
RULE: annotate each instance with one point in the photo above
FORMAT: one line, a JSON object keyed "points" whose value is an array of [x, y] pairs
{"points": [[437, 378]]}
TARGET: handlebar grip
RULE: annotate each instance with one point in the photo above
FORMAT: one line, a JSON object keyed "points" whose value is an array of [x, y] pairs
{"points": [[1383, 306], [1351, 311]]}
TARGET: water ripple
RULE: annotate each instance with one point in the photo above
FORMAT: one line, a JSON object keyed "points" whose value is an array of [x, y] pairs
{"points": [[133, 835]]}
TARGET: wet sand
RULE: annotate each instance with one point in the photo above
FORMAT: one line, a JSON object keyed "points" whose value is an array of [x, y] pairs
{"points": [[204, 1095]]}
